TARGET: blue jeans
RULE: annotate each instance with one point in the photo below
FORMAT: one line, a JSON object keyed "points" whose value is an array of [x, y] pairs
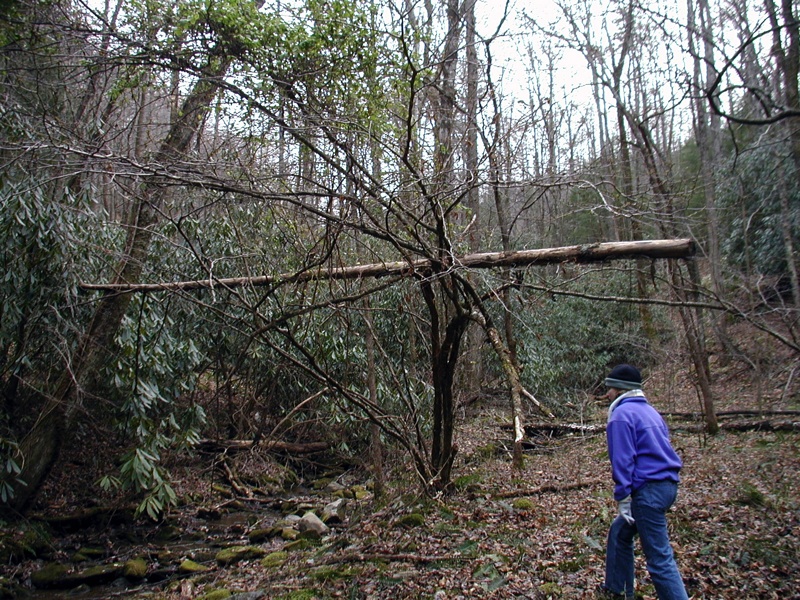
{"points": [[649, 506]]}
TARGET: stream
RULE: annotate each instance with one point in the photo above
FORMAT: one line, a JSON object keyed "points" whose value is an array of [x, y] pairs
{"points": [[197, 535]]}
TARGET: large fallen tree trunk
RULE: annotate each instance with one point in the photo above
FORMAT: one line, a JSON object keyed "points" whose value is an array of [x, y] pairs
{"points": [[561, 429], [732, 413], [586, 253]]}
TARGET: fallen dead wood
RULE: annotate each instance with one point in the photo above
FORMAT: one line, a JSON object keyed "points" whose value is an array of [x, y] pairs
{"points": [[553, 488], [585, 253], [268, 445], [358, 557], [761, 426], [539, 430], [733, 413], [560, 429], [102, 516]]}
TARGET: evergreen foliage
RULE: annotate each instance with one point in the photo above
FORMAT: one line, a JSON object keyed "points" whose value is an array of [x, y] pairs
{"points": [[751, 202]]}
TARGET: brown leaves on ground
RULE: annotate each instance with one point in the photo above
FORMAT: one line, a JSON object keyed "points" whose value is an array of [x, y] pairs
{"points": [[540, 533]]}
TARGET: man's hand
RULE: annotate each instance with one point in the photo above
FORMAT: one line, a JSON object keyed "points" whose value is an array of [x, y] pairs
{"points": [[625, 512]]}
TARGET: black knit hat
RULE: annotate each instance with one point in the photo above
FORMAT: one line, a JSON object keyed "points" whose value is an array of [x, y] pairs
{"points": [[624, 377]]}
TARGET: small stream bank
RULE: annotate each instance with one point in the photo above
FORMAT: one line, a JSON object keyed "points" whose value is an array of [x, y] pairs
{"points": [[109, 555]]}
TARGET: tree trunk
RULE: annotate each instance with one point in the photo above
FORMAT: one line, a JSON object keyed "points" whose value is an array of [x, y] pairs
{"points": [[376, 445], [708, 134], [444, 358], [471, 375]]}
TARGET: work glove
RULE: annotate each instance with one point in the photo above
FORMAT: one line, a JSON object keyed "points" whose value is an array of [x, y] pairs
{"points": [[625, 511]]}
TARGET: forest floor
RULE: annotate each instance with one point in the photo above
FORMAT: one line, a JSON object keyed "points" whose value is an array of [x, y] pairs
{"points": [[540, 532]]}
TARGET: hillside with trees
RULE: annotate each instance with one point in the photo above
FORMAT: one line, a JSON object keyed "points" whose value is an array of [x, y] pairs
{"points": [[383, 238]]}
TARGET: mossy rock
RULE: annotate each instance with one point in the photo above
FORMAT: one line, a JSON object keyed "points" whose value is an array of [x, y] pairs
{"points": [[360, 492], [410, 521], [58, 576], [194, 536], [235, 554], [301, 508], [275, 559], [258, 536], [135, 568], [203, 555], [523, 504], [216, 595], [190, 566], [86, 553], [327, 573], [467, 482], [300, 595], [99, 574], [49, 576], [321, 484], [298, 545]]}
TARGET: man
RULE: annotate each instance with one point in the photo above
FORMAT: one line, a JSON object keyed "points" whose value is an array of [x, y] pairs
{"points": [[645, 470]]}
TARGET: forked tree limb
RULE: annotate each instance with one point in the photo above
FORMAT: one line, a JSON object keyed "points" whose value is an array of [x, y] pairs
{"points": [[585, 253]]}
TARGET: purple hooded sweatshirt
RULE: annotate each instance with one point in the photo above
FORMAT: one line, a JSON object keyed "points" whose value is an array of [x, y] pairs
{"points": [[639, 446]]}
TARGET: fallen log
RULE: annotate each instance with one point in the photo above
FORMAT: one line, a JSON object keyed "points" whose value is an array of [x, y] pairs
{"points": [[584, 253], [562, 429], [95, 516], [732, 413], [553, 488], [360, 557], [762, 426], [268, 445]]}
